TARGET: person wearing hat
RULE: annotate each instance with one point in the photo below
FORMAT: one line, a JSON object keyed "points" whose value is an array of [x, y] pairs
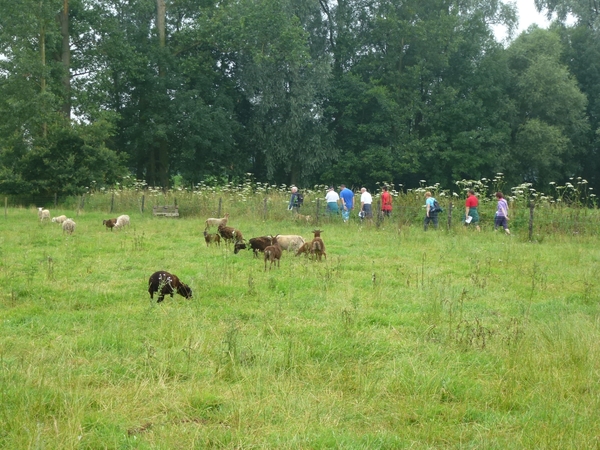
{"points": [[332, 198]]}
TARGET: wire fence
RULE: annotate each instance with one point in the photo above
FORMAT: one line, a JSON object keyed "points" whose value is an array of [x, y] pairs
{"points": [[536, 218]]}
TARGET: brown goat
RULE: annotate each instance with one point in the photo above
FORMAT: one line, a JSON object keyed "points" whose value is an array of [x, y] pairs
{"points": [[230, 234], [305, 249], [165, 284], [273, 254], [317, 246], [257, 244], [110, 223], [212, 238]]}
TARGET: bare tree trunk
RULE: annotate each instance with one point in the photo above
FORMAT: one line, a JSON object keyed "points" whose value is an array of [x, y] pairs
{"points": [[43, 77], [163, 155], [63, 19]]}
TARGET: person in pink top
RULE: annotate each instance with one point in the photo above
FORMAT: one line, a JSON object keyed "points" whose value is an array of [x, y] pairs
{"points": [[502, 213]]}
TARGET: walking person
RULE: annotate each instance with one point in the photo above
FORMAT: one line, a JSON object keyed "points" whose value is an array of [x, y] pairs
{"points": [[347, 197], [366, 202], [471, 211], [386, 202], [296, 200], [501, 218], [332, 198], [431, 212]]}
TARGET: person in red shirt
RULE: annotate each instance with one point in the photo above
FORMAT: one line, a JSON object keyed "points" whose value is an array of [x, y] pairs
{"points": [[386, 202], [471, 210]]}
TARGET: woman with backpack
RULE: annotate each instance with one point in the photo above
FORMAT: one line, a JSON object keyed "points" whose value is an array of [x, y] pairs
{"points": [[432, 210]]}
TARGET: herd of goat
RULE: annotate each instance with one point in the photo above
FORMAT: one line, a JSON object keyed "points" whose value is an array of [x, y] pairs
{"points": [[271, 246], [165, 283]]}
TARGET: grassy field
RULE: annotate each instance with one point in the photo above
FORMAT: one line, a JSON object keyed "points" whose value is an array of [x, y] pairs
{"points": [[401, 339]]}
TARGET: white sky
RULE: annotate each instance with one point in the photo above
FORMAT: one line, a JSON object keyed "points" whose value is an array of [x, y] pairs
{"points": [[527, 16]]}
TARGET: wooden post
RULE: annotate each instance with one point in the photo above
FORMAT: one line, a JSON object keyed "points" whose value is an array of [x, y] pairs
{"points": [[265, 209], [220, 203], [5, 207], [112, 202], [379, 214], [531, 208], [78, 206], [143, 201], [318, 210], [449, 215], [82, 201], [55, 199]]}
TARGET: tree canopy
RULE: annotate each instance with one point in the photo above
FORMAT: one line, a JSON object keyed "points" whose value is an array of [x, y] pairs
{"points": [[293, 91]]}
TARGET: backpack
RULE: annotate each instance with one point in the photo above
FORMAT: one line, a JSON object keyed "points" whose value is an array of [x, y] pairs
{"points": [[299, 199], [436, 207]]}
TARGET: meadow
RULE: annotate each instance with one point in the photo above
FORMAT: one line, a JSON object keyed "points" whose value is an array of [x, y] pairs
{"points": [[400, 339]]}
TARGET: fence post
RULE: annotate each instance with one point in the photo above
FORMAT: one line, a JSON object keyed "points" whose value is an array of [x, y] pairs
{"points": [[449, 215], [112, 202], [220, 202], [78, 205], [143, 201], [379, 214], [55, 199], [5, 207], [265, 208], [318, 210], [531, 208]]}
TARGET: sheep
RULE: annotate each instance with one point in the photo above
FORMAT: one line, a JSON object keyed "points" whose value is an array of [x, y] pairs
{"points": [[230, 234], [317, 246], [290, 242], [212, 238], [305, 249], [68, 226], [59, 219], [109, 223], [165, 284], [122, 221], [273, 254], [257, 244], [302, 217], [43, 214], [211, 221]]}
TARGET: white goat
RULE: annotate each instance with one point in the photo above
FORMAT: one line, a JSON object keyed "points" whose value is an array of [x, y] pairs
{"points": [[68, 226], [43, 214], [211, 221], [59, 219], [290, 242], [122, 221]]}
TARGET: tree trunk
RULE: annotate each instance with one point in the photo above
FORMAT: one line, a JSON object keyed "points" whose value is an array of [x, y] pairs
{"points": [[63, 19], [43, 75], [163, 155]]}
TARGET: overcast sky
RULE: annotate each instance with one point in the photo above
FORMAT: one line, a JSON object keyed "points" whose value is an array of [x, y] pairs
{"points": [[527, 16]]}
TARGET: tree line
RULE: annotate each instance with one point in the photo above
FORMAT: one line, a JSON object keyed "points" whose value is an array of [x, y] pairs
{"points": [[293, 91]]}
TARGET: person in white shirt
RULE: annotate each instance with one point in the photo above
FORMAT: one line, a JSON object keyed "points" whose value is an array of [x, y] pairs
{"points": [[366, 204], [332, 198]]}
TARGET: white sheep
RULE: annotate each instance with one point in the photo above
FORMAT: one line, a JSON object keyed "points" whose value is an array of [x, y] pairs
{"points": [[122, 221], [290, 242], [43, 214], [68, 226], [211, 221], [59, 219]]}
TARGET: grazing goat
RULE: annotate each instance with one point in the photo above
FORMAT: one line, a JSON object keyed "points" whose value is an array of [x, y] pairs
{"points": [[68, 226], [290, 242], [305, 249], [230, 234], [122, 221], [43, 214], [109, 223], [211, 221], [212, 238], [59, 219], [165, 284], [317, 246], [273, 254], [257, 244], [302, 217]]}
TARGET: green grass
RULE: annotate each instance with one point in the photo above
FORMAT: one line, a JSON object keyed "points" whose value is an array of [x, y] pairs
{"points": [[400, 339]]}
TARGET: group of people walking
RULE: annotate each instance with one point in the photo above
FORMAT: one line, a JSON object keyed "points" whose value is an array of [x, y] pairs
{"points": [[344, 202]]}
